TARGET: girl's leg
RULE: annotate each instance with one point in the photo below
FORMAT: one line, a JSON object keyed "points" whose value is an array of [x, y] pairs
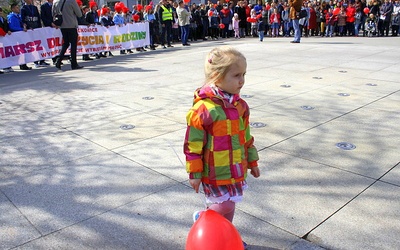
{"points": [[226, 209]]}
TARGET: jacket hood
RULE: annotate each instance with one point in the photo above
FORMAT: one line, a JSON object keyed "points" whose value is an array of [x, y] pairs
{"points": [[204, 93]]}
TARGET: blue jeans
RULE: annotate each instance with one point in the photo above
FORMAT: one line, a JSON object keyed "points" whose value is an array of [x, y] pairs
{"points": [[184, 34], [329, 30], [297, 31], [261, 35]]}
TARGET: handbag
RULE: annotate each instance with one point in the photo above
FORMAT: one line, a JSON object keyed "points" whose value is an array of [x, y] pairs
{"points": [[303, 13], [58, 19]]}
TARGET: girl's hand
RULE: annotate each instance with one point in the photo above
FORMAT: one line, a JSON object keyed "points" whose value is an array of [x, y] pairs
{"points": [[195, 183], [255, 171]]}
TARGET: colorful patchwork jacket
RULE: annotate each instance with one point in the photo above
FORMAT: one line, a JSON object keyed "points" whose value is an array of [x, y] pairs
{"points": [[218, 146]]}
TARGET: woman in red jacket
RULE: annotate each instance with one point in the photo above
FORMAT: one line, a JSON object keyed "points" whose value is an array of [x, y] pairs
{"points": [[312, 21], [350, 19]]}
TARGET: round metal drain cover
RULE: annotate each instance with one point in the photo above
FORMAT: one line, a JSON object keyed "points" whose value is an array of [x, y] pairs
{"points": [[343, 71], [317, 77], [372, 84], [285, 86], [148, 98], [307, 107], [345, 145], [246, 96], [257, 124], [126, 126], [344, 94]]}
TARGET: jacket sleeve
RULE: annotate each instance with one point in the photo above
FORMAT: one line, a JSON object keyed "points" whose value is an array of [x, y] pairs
{"points": [[14, 24], [252, 154], [160, 11], [45, 15], [195, 140]]}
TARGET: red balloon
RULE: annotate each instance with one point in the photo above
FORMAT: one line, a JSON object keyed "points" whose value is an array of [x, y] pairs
{"points": [[210, 13], [213, 232], [186, 1], [136, 17], [222, 26], [259, 16], [366, 10], [336, 11]]}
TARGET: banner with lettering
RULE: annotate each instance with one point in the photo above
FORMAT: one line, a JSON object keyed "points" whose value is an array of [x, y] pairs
{"points": [[34, 45]]}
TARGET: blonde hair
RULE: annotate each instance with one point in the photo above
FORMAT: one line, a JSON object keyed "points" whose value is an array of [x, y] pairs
{"points": [[218, 62]]}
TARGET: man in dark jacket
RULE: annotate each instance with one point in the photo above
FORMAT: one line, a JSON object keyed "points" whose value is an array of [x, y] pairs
{"points": [[47, 18], [46, 15], [31, 18]]}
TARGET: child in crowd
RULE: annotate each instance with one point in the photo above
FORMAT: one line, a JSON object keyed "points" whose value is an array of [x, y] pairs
{"points": [[330, 22], [218, 145], [235, 25], [119, 20], [275, 22], [106, 20], [254, 23], [214, 22], [261, 29]]}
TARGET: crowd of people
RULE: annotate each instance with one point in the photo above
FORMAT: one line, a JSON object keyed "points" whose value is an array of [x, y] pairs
{"points": [[173, 22]]}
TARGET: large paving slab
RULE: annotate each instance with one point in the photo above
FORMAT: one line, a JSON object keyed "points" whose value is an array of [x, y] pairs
{"points": [[58, 197], [374, 212], [71, 178]]}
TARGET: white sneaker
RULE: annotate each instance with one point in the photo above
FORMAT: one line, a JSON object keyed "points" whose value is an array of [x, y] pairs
{"points": [[8, 70]]}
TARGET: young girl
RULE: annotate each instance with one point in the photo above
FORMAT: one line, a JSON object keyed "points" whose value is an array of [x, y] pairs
{"points": [[275, 22], [214, 22], [253, 24], [235, 25], [218, 146]]}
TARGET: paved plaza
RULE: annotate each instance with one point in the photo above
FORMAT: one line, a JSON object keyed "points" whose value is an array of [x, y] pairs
{"points": [[93, 158]]}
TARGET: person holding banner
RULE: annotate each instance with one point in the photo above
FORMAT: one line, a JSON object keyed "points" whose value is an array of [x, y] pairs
{"points": [[92, 17], [4, 30], [31, 19], [15, 24], [69, 29], [47, 18], [82, 21]]}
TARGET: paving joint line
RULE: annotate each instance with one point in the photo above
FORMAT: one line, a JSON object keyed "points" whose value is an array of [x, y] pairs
{"points": [[348, 202]]}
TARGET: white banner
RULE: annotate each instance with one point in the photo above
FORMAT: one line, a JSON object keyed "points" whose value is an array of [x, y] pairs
{"points": [[34, 45]]}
